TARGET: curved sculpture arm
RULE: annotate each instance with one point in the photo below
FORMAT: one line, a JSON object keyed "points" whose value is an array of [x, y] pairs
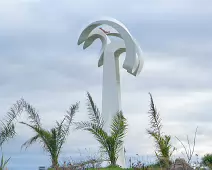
{"points": [[140, 59], [130, 62], [115, 35], [95, 34], [119, 51]]}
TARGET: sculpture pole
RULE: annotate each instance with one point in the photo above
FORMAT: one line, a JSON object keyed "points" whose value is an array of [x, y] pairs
{"points": [[109, 59]]}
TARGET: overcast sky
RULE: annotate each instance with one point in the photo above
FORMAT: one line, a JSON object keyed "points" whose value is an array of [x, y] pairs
{"points": [[41, 62]]}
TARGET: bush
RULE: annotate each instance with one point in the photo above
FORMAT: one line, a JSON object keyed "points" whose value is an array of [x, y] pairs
{"points": [[207, 160]]}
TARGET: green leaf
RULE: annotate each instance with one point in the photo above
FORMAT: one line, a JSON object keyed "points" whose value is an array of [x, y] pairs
{"points": [[109, 143]]}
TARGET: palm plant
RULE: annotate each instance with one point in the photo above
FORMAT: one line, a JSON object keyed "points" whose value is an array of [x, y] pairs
{"points": [[109, 143], [7, 131], [164, 149], [3, 162], [207, 160], [51, 140]]}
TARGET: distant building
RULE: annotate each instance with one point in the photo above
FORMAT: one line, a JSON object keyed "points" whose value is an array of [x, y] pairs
{"points": [[42, 168]]}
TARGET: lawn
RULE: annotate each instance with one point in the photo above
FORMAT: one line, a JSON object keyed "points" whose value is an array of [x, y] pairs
{"points": [[116, 169], [123, 169]]}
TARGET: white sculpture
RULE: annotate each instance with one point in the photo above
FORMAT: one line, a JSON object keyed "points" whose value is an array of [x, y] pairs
{"points": [[109, 59]]}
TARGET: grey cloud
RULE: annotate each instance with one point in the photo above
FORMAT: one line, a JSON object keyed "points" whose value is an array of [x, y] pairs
{"points": [[41, 62]]}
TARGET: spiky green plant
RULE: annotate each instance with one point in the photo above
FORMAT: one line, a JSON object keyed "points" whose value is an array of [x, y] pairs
{"points": [[51, 140], [7, 131], [109, 143], [164, 149], [3, 162], [207, 160]]}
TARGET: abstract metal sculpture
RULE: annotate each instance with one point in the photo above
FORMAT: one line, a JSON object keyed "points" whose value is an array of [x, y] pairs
{"points": [[109, 59]]}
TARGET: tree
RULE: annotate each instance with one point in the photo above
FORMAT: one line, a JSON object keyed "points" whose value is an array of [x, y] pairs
{"points": [[51, 140], [110, 143], [189, 152], [164, 149], [7, 131], [207, 160], [3, 162]]}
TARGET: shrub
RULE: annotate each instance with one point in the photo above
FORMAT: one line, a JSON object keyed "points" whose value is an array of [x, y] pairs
{"points": [[207, 160]]}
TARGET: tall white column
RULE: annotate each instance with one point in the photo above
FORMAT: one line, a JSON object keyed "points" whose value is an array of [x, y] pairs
{"points": [[111, 94], [133, 63], [111, 97]]}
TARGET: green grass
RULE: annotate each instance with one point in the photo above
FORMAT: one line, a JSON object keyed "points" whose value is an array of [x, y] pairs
{"points": [[120, 169], [105, 169], [101, 169], [117, 168], [114, 168]]}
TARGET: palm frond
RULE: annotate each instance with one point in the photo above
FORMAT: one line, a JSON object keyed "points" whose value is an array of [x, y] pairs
{"points": [[30, 141], [71, 112], [54, 143], [83, 125], [163, 142], [20, 106], [100, 135], [14, 112], [155, 120], [7, 131], [154, 135], [35, 128], [61, 135], [6, 162], [109, 143], [7, 127], [62, 129], [119, 126], [93, 111], [33, 115], [3, 162], [64, 126], [45, 136]]}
